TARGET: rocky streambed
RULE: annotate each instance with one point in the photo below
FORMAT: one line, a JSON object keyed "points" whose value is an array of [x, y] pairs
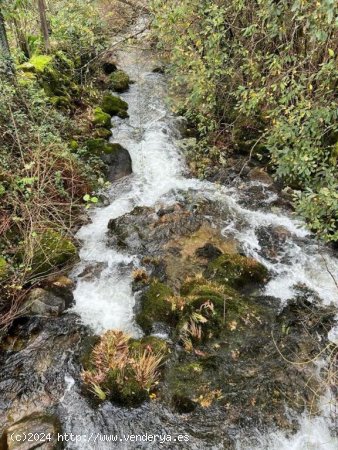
{"points": [[240, 295]]}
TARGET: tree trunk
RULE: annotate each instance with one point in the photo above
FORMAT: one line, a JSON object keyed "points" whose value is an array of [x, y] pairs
{"points": [[5, 52], [21, 38], [44, 24]]}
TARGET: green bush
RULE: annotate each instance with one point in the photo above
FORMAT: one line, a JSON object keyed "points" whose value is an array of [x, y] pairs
{"points": [[264, 71]]}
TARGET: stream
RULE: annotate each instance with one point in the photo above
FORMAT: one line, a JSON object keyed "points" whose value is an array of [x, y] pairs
{"points": [[105, 299]]}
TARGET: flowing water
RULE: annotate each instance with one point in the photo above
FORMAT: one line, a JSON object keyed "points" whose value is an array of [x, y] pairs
{"points": [[105, 300]]}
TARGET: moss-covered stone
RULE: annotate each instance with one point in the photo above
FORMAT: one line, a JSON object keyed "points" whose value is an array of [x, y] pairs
{"points": [[3, 268], [114, 106], [120, 81], [102, 133], [236, 270], [100, 146], [155, 307], [101, 119], [53, 73], [185, 383], [51, 250]]}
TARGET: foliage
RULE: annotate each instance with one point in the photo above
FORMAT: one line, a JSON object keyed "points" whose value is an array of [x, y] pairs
{"points": [[262, 73], [46, 113]]}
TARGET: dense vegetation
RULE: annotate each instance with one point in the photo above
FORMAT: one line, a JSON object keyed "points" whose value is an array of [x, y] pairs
{"points": [[259, 78], [54, 125]]}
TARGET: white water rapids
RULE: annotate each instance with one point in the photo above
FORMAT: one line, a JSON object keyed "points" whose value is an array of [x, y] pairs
{"points": [[105, 301]]}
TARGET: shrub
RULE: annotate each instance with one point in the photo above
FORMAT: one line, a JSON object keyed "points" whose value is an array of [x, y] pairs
{"points": [[120, 369], [261, 74]]}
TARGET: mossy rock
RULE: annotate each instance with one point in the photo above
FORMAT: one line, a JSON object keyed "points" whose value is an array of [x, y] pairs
{"points": [[101, 119], [230, 310], [4, 269], [52, 75], [114, 106], [51, 250], [102, 133], [99, 147], [185, 383], [155, 307], [236, 270], [120, 81], [128, 394]]}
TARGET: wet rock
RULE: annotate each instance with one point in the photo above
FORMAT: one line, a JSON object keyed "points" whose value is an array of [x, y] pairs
{"points": [[62, 287], [208, 251], [272, 240], [118, 161], [43, 303], [155, 307], [258, 174], [43, 429], [92, 271]]}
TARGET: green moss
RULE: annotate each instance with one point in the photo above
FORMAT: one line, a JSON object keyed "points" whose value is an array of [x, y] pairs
{"points": [[102, 133], [40, 62], [74, 145], [51, 250], [185, 383], [96, 146], [101, 119], [59, 101], [236, 270], [114, 106], [151, 343], [37, 64], [120, 81], [3, 268], [155, 307]]}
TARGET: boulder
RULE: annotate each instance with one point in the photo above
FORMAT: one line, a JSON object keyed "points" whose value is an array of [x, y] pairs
{"points": [[120, 81], [114, 106], [118, 161], [44, 303], [62, 287]]}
